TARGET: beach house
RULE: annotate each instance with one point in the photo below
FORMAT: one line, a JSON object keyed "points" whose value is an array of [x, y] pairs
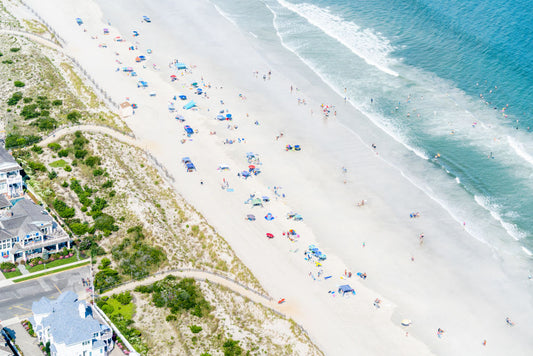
{"points": [[70, 327], [10, 177], [27, 231]]}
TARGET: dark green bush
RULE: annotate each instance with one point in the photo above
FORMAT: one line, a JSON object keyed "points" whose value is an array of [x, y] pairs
{"points": [[105, 222], [232, 348], [171, 317], [37, 166], [63, 153], [74, 116], [54, 146], [78, 228], [91, 161], [15, 49], [107, 184], [52, 175], [18, 140], [19, 84], [30, 111], [63, 209], [37, 149], [98, 172], [68, 168], [123, 298], [15, 98], [7, 61], [57, 102], [27, 100], [195, 329], [80, 154], [106, 278]]}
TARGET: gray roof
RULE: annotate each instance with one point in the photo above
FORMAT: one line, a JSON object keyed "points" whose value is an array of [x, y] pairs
{"points": [[64, 320], [7, 162], [26, 217], [4, 203]]}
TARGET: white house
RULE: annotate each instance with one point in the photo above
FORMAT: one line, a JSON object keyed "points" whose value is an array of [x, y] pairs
{"points": [[10, 178], [27, 230], [69, 326]]}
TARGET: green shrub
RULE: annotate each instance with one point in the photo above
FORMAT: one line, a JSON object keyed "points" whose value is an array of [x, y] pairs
{"points": [[104, 222], [107, 184], [74, 116], [78, 228], [80, 154], [7, 61], [108, 309], [57, 102], [104, 263], [37, 166], [79, 142], [99, 205], [7, 265], [19, 84], [98, 172], [46, 123], [91, 161], [63, 209], [18, 140], [63, 153], [15, 49], [15, 98], [64, 184], [68, 168], [124, 298], [106, 278], [27, 100], [37, 149], [30, 111], [54, 146], [195, 329], [171, 317], [231, 348], [52, 175]]}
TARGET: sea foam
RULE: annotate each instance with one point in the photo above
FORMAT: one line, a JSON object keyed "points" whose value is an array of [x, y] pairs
{"points": [[373, 48]]}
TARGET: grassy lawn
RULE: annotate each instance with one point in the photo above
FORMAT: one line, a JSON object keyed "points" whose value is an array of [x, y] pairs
{"points": [[59, 163], [51, 272], [12, 274], [127, 311], [52, 264]]}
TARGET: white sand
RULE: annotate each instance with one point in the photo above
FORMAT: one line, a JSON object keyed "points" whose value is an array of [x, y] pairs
{"points": [[455, 282]]}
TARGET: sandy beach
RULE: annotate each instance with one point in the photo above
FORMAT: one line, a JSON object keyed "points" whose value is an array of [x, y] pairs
{"points": [[447, 280]]}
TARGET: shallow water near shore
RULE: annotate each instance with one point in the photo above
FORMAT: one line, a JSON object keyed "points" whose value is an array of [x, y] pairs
{"points": [[454, 96]]}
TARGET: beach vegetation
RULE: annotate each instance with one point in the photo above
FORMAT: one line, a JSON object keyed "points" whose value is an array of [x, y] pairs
{"points": [[19, 84], [37, 149], [63, 153], [54, 146], [15, 98], [63, 209], [52, 175], [14, 49]]}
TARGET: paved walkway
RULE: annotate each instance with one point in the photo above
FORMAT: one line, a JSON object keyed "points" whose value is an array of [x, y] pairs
{"points": [[202, 276], [23, 270], [90, 128]]}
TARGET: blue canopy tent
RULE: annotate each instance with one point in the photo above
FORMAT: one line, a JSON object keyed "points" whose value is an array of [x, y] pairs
{"points": [[190, 167], [221, 118], [245, 174], [79, 21], [228, 117], [188, 130], [181, 66], [142, 84], [199, 91], [269, 217], [180, 118], [147, 19], [185, 160], [346, 289], [182, 97], [189, 105]]}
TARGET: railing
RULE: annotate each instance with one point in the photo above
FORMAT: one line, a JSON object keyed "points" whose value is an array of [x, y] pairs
{"points": [[117, 331]]}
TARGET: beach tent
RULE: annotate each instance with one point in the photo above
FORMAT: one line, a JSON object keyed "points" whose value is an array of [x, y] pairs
{"points": [[79, 21], [188, 130], [180, 118], [146, 19], [135, 33], [182, 97], [257, 202], [346, 289], [250, 217], [190, 167], [185, 160], [199, 91], [127, 69], [245, 174], [142, 84], [189, 105], [106, 31], [269, 217], [181, 66], [228, 117], [171, 107], [221, 118], [223, 167]]}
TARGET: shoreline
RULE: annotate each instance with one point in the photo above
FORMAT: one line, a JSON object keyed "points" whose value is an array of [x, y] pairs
{"points": [[379, 220]]}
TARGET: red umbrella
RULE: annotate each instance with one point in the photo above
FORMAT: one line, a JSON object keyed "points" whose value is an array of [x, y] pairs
{"points": [[251, 166], [172, 76], [269, 235]]}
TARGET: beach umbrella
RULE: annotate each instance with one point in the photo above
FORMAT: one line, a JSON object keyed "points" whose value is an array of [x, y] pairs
{"points": [[173, 76], [269, 217], [251, 166], [269, 235], [406, 322], [250, 217]]}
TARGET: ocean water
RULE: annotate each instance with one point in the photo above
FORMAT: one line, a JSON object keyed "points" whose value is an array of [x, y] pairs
{"points": [[450, 80]]}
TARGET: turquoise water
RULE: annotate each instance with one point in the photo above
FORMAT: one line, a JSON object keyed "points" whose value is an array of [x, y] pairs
{"points": [[448, 79]]}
